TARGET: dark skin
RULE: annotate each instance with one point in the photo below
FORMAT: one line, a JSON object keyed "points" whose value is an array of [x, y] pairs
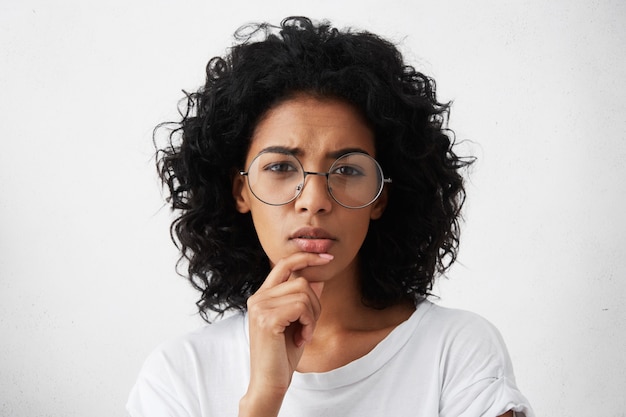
{"points": [[309, 307]]}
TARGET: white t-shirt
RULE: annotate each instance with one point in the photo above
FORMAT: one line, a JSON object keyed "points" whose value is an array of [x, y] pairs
{"points": [[439, 363]]}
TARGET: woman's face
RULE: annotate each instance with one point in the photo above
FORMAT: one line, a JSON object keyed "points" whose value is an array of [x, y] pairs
{"points": [[317, 132]]}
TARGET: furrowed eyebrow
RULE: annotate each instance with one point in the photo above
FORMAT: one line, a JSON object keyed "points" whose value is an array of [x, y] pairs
{"points": [[282, 149], [298, 151], [341, 152]]}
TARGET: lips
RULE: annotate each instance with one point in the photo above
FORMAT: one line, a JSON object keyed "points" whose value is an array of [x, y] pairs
{"points": [[312, 239]]}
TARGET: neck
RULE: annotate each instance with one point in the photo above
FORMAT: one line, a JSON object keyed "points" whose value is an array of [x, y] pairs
{"points": [[348, 329], [343, 307]]}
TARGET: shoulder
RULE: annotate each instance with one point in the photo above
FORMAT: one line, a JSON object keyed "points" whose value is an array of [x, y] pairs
{"points": [[450, 327], [186, 373], [474, 368], [199, 349], [455, 345], [462, 346], [452, 318]]}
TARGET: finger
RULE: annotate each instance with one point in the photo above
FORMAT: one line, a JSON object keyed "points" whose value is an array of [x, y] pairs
{"points": [[297, 286], [275, 315], [301, 331], [292, 286], [287, 266], [306, 334], [298, 290]]}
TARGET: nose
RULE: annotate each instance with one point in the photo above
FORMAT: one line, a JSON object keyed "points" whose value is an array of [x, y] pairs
{"points": [[314, 197]]}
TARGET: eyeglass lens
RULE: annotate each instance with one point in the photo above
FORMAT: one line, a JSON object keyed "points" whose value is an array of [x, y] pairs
{"points": [[354, 180]]}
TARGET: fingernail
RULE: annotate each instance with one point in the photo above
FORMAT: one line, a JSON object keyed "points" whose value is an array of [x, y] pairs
{"points": [[326, 255]]}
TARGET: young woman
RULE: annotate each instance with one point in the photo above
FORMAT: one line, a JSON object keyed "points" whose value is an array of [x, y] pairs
{"points": [[319, 197]]}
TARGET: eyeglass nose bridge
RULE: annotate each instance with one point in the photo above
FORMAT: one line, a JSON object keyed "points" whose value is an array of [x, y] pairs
{"points": [[300, 186]]}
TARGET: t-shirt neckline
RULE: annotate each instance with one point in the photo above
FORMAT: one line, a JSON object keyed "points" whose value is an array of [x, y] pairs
{"points": [[368, 364]]}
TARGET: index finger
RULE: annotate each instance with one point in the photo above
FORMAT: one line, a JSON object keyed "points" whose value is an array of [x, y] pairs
{"points": [[286, 266]]}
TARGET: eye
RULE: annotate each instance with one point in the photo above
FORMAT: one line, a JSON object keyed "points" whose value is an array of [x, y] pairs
{"points": [[280, 167], [348, 170]]}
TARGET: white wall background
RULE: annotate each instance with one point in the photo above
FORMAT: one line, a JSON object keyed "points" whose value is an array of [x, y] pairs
{"points": [[87, 285]]}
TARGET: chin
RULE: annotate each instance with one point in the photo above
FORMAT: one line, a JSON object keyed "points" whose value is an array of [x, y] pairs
{"points": [[313, 274]]}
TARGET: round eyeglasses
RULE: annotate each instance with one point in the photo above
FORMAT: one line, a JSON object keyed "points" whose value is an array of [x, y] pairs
{"points": [[355, 180]]}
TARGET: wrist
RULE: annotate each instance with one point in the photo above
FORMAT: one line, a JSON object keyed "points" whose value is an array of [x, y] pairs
{"points": [[257, 404]]}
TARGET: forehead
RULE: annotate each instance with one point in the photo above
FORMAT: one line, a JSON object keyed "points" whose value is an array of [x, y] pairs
{"points": [[312, 128]]}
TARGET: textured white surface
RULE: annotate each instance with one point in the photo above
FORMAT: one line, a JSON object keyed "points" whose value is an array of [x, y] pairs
{"points": [[87, 285]]}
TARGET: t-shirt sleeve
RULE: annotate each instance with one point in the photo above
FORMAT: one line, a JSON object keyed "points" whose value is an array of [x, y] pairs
{"points": [[160, 390], [203, 373], [477, 374]]}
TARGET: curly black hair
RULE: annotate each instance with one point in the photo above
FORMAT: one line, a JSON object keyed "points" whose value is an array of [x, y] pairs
{"points": [[417, 237]]}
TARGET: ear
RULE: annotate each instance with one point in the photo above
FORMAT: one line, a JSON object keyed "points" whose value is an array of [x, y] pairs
{"points": [[378, 207], [240, 194]]}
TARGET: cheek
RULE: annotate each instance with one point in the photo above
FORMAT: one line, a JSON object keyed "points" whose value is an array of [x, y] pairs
{"points": [[357, 231], [269, 226]]}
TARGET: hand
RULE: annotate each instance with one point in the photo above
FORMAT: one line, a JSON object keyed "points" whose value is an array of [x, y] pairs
{"points": [[282, 316]]}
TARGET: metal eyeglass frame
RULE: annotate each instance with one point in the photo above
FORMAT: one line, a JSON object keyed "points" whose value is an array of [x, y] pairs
{"points": [[300, 187]]}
